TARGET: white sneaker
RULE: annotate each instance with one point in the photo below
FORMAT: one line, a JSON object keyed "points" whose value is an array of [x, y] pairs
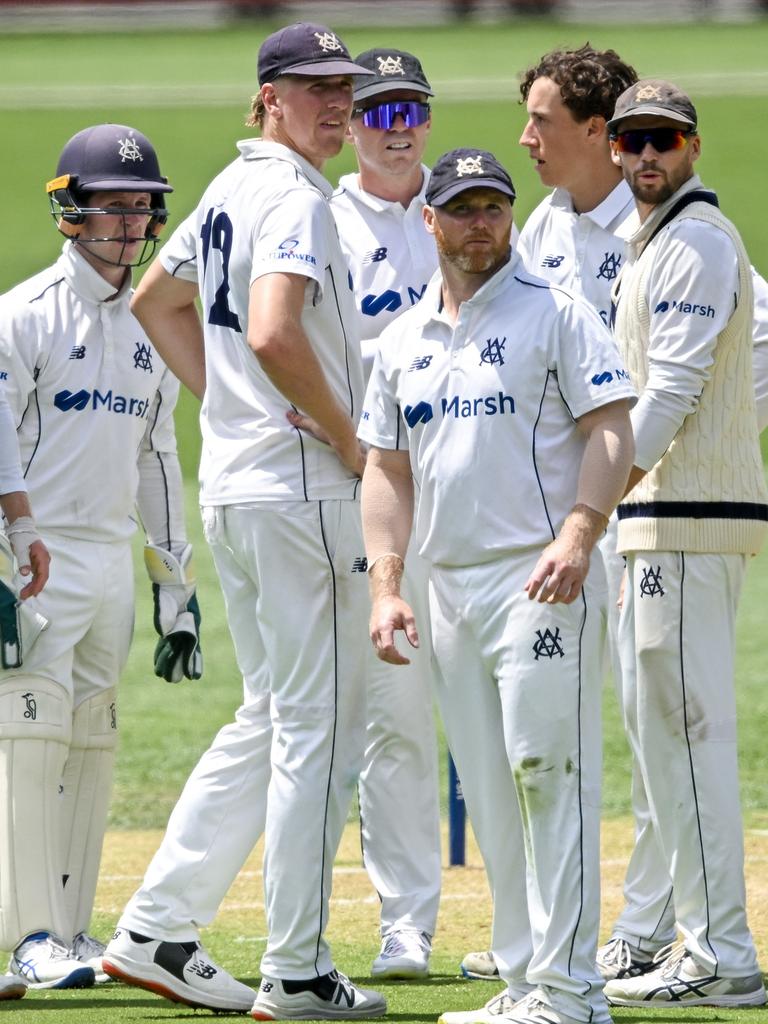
{"points": [[181, 971], [44, 961], [496, 1009], [617, 958], [12, 986], [679, 980], [404, 954], [481, 966], [329, 997], [531, 1010], [89, 951]]}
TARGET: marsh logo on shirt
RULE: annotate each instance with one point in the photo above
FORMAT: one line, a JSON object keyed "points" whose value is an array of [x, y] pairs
{"points": [[689, 308], [108, 401], [389, 301], [460, 407], [419, 413], [606, 376]]}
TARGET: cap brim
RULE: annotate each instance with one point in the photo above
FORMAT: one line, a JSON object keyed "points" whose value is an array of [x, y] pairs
{"points": [[327, 67], [670, 115], [392, 85], [461, 186], [122, 185]]}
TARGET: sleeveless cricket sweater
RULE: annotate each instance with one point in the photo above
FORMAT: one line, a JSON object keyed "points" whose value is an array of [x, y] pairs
{"points": [[707, 493]]}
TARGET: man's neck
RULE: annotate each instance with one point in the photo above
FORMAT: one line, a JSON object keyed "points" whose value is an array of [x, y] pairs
{"points": [[595, 188], [400, 188], [458, 286]]}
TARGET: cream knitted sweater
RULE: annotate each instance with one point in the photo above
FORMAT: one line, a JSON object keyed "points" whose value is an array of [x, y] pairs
{"points": [[707, 493]]}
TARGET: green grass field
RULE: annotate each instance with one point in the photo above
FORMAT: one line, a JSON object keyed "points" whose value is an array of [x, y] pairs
{"points": [[189, 92]]}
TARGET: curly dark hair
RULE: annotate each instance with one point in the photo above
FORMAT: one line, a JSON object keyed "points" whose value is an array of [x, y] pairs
{"points": [[590, 80]]}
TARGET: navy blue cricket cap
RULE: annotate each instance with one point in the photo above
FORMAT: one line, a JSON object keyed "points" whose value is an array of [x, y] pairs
{"points": [[460, 169], [305, 49], [111, 157], [390, 70]]}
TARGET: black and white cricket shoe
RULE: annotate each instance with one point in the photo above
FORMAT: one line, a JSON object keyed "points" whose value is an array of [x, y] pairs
{"points": [[618, 958], [43, 960], [328, 997], [180, 971], [680, 980]]}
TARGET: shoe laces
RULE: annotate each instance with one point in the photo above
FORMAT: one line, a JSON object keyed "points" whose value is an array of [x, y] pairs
{"points": [[84, 947], [670, 957], [398, 942], [501, 1004], [55, 948], [616, 953]]}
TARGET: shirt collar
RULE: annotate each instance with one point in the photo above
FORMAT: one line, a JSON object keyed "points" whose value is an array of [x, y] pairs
{"points": [[616, 213], [431, 304], [351, 183], [85, 280], [261, 149]]}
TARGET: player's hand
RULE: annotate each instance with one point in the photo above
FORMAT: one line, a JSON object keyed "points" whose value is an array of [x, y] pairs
{"points": [[308, 425], [558, 575], [390, 614], [352, 453], [31, 555], [177, 614], [20, 625]]}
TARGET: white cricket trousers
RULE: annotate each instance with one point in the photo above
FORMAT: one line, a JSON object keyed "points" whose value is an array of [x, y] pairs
{"points": [[647, 919], [399, 789], [677, 643], [519, 688], [295, 591]]}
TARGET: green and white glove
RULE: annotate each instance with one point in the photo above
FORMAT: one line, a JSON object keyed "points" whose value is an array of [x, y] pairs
{"points": [[20, 626], [177, 615]]}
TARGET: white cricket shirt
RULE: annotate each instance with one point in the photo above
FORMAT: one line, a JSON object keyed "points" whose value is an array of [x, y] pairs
{"points": [[487, 409], [390, 255], [11, 478], [583, 251], [266, 213], [90, 396]]}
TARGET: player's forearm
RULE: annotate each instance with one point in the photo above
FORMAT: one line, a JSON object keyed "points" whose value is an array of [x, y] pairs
{"points": [[165, 308], [15, 504], [387, 509], [607, 458]]}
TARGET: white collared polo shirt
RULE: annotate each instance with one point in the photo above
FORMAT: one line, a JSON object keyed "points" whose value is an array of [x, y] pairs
{"points": [[266, 213], [583, 251], [390, 255], [88, 393], [487, 408]]}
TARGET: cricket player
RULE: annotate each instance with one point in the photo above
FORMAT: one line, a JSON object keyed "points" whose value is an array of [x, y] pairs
{"points": [[281, 513], [576, 237], [92, 406], [498, 396], [696, 508], [391, 257]]}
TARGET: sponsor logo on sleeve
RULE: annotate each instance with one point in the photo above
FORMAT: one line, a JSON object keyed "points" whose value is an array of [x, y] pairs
{"points": [[289, 250], [687, 308], [606, 376]]}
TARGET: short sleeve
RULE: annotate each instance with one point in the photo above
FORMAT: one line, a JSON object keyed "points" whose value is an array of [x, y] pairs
{"points": [[293, 237], [381, 422], [179, 254]]}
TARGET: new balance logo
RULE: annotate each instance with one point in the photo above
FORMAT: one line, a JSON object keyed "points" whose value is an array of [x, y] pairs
{"points": [[267, 986], [202, 969], [78, 352], [375, 256], [552, 261], [344, 994], [360, 564], [420, 363]]}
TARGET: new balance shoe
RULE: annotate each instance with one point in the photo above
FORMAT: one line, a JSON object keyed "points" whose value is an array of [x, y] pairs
{"points": [[481, 966], [89, 951], [44, 961], [181, 971], [12, 986], [617, 958], [679, 980], [494, 1012], [404, 954], [328, 997]]}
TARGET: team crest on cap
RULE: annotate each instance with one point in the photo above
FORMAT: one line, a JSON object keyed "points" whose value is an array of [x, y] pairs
{"points": [[328, 42], [129, 149], [469, 165], [390, 65], [648, 92]]}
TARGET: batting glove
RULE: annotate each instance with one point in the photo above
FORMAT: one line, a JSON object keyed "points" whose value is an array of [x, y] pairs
{"points": [[20, 626], [177, 615]]}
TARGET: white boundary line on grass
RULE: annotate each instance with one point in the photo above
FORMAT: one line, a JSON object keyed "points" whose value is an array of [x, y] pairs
{"points": [[197, 94]]}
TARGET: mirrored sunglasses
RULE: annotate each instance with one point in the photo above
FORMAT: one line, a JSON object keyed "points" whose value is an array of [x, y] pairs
{"points": [[662, 139], [383, 115]]}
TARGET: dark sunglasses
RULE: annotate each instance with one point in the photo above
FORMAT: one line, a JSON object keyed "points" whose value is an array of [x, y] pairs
{"points": [[383, 115], [662, 139]]}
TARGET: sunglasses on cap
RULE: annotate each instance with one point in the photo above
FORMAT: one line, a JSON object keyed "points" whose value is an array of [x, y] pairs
{"points": [[383, 115], [662, 139]]}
